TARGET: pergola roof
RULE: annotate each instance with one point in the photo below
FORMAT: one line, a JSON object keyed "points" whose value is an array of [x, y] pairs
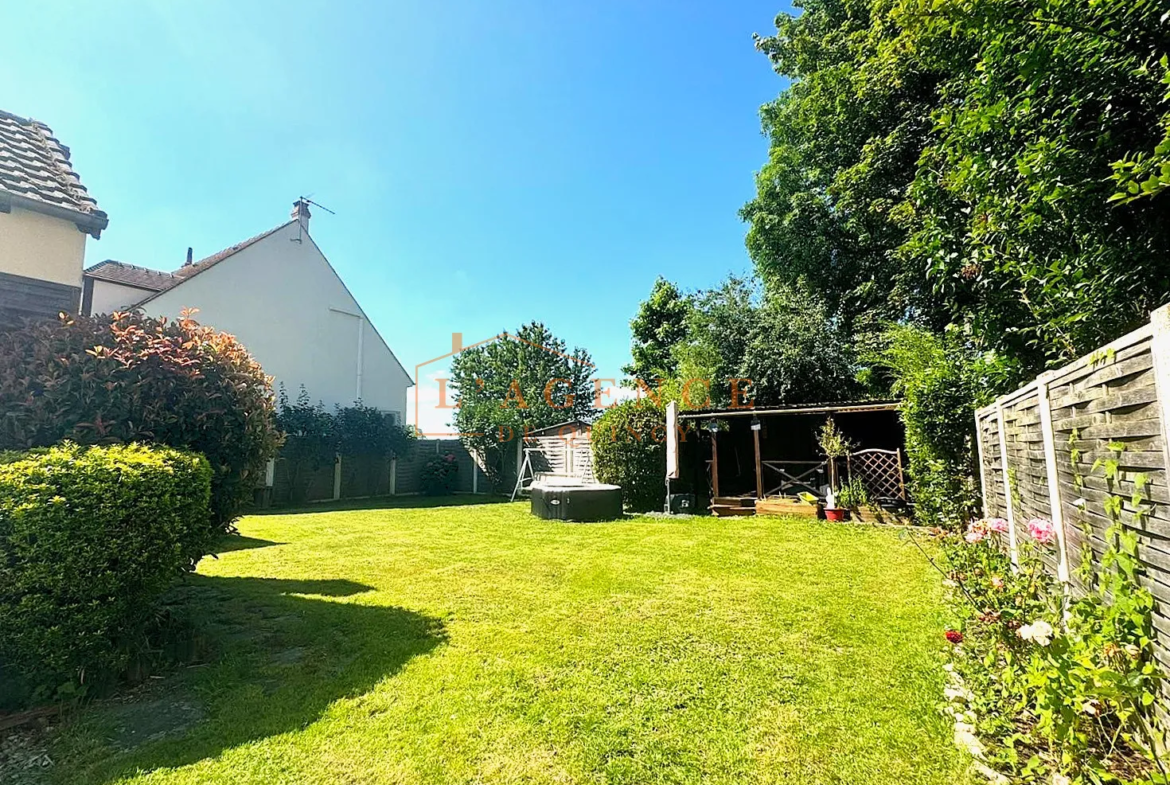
{"points": [[834, 407]]}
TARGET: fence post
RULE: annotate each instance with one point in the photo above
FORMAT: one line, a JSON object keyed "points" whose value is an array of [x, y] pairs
{"points": [[1160, 349], [394, 476], [982, 464], [336, 476], [1007, 483], [1056, 506]]}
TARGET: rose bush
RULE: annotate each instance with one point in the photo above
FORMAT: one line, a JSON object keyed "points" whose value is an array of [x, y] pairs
{"points": [[1047, 689]]}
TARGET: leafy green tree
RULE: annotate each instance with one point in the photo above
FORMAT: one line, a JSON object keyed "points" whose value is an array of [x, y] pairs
{"points": [[832, 206], [797, 352], [524, 381], [782, 338], [629, 449], [992, 164], [1014, 225], [940, 383], [659, 326]]}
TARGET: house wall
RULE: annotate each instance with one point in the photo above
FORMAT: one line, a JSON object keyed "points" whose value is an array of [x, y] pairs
{"points": [[107, 296], [283, 300], [41, 247]]}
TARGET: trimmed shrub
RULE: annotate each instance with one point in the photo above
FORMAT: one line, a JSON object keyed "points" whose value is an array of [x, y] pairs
{"points": [[439, 475], [90, 538], [129, 377], [629, 449]]}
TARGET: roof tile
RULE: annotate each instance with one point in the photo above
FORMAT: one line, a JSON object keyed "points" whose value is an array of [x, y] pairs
{"points": [[35, 165]]}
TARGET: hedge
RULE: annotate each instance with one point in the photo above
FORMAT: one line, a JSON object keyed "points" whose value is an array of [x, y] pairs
{"points": [[90, 538]]}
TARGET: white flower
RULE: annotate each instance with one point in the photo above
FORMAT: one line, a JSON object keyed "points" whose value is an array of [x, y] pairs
{"points": [[1060, 779], [1039, 632], [1089, 708], [1079, 503]]}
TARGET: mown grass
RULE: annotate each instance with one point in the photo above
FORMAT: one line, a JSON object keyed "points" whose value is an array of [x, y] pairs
{"points": [[475, 644]]}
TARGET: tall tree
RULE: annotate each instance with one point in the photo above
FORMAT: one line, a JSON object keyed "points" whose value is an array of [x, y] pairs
{"points": [[524, 381], [658, 327], [1015, 226], [831, 207], [998, 165]]}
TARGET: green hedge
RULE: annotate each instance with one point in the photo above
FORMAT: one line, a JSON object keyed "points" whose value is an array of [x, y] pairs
{"points": [[90, 538], [629, 449]]}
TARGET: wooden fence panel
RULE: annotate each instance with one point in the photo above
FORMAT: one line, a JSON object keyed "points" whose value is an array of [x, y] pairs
{"points": [[1056, 432]]}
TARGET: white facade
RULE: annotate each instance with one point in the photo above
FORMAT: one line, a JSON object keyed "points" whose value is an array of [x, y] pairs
{"points": [[286, 304], [108, 296], [43, 247]]}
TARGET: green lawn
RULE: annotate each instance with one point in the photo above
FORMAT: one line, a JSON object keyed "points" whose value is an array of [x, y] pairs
{"points": [[475, 644]]}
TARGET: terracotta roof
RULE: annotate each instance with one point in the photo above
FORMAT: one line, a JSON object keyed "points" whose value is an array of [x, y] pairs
{"points": [[35, 173], [131, 275]]}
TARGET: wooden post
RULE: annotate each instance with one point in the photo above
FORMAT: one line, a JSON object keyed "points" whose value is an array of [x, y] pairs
{"points": [[759, 466], [337, 477], [714, 466], [982, 466], [474, 475], [1056, 508], [1007, 484], [393, 476], [1160, 349], [901, 475]]}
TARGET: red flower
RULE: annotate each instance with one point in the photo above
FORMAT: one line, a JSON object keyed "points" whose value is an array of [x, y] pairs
{"points": [[954, 636]]}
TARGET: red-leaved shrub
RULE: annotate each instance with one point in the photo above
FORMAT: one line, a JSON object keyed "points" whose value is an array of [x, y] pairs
{"points": [[130, 377]]}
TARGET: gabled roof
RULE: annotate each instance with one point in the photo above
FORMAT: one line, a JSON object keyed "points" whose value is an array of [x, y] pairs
{"points": [[35, 174], [130, 275], [188, 271]]}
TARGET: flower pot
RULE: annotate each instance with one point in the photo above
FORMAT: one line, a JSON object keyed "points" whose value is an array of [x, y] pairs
{"points": [[836, 513]]}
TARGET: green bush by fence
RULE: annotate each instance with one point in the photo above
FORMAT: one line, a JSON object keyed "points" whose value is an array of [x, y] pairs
{"points": [[90, 538], [629, 449]]}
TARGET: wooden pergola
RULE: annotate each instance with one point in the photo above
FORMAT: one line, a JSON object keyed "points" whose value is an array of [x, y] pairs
{"points": [[791, 475]]}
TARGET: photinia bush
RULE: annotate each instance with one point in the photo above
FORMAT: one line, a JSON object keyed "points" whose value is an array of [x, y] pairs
{"points": [[130, 377]]}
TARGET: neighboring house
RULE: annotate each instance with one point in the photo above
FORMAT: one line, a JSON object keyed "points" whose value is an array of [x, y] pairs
{"points": [[280, 296], [45, 216]]}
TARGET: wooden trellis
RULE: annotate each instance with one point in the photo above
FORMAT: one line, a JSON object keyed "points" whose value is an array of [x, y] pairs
{"points": [[880, 471]]}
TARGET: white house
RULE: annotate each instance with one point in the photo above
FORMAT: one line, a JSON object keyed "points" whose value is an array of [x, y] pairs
{"points": [[45, 217], [279, 295]]}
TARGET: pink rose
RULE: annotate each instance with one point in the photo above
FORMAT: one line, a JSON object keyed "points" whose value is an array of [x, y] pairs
{"points": [[997, 525], [975, 532], [1042, 530]]}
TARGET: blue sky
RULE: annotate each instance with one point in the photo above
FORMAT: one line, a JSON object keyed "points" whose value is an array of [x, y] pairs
{"points": [[490, 163]]}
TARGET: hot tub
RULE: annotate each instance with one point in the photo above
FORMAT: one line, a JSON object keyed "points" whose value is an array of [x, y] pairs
{"points": [[560, 501]]}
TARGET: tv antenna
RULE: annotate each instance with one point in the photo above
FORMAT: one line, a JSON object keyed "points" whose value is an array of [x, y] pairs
{"points": [[301, 226]]}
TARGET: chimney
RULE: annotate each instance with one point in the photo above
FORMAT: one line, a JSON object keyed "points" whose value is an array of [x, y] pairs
{"points": [[300, 212], [456, 343], [190, 251]]}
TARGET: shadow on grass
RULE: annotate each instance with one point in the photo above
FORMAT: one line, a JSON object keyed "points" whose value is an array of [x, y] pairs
{"points": [[238, 542], [284, 650], [385, 503]]}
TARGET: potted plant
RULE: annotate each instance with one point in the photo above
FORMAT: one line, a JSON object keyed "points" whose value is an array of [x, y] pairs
{"points": [[853, 497], [834, 444]]}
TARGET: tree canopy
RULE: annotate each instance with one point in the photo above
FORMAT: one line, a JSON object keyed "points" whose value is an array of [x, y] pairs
{"points": [[991, 164], [527, 379]]}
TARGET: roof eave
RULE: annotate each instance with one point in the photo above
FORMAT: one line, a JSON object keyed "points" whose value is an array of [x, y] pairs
{"points": [[90, 223]]}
